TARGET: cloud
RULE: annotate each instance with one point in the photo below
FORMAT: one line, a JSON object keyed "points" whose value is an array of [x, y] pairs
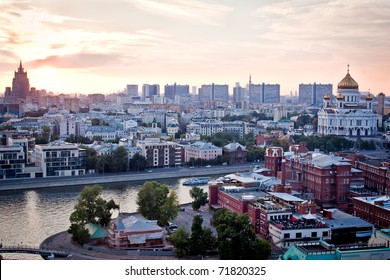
{"points": [[74, 61], [190, 10]]}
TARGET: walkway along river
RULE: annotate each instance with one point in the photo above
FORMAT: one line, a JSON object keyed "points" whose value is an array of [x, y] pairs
{"points": [[28, 216]]}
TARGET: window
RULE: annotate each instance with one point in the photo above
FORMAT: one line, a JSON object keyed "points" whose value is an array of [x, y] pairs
{"points": [[298, 235], [314, 234], [286, 235]]}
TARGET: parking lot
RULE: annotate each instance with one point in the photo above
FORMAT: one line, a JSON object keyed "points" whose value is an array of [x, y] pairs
{"points": [[184, 218]]}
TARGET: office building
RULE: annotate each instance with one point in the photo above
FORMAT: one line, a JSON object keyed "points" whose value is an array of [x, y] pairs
{"points": [[313, 94]]}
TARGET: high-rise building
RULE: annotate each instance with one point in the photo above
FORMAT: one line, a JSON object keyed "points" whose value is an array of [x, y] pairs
{"points": [[148, 91], [238, 93], [313, 94], [271, 93], [132, 90], [214, 92], [171, 91], [20, 86], [381, 103], [263, 93]]}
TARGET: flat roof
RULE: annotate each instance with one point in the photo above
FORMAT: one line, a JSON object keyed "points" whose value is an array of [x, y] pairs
{"points": [[286, 197]]}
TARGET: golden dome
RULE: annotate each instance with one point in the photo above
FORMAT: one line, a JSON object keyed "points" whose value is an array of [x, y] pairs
{"points": [[348, 83], [327, 97], [340, 96], [369, 97]]}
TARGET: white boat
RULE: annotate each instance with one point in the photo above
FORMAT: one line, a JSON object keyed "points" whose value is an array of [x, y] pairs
{"points": [[196, 181]]}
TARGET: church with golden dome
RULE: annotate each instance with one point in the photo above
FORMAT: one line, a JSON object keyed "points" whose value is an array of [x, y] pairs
{"points": [[349, 116]]}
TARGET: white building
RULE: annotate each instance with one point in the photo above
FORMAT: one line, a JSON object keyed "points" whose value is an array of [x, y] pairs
{"points": [[348, 117], [159, 153], [202, 150], [60, 159]]}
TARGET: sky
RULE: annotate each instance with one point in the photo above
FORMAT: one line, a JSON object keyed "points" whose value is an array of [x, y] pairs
{"points": [[99, 46]]}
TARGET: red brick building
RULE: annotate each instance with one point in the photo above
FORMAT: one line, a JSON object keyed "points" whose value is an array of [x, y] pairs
{"points": [[374, 209], [324, 178]]}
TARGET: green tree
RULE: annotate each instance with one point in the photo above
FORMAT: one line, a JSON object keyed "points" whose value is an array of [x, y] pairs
{"points": [[196, 239], [91, 157], [180, 240], [90, 208], [202, 239], [155, 204], [44, 136], [138, 162], [6, 126], [199, 197], [255, 153], [95, 122], [281, 142], [120, 158], [236, 238], [170, 209]]}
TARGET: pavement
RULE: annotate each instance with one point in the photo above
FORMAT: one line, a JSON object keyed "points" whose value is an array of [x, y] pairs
{"points": [[90, 179]]}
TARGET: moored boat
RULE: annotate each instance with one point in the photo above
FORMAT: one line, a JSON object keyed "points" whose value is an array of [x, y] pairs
{"points": [[196, 181]]}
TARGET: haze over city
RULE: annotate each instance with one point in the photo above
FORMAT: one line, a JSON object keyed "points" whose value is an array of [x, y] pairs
{"points": [[100, 46]]}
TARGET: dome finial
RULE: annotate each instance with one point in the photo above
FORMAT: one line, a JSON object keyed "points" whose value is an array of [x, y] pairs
{"points": [[348, 68]]}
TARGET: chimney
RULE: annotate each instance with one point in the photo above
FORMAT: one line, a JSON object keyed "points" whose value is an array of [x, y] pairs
{"points": [[283, 179]]}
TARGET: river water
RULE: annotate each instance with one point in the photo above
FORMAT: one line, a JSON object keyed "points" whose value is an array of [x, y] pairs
{"points": [[30, 216]]}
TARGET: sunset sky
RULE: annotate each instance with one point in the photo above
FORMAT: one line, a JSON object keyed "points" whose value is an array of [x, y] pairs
{"points": [[99, 46]]}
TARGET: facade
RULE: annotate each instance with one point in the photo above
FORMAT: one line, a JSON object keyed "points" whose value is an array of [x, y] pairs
{"points": [[132, 90], [172, 91], [237, 153], [264, 93], [160, 154], [375, 209], [20, 87], [348, 117], [313, 94], [202, 150], [323, 178], [60, 159], [214, 92], [376, 175], [322, 250], [12, 162], [381, 104], [132, 232], [149, 91], [212, 127]]}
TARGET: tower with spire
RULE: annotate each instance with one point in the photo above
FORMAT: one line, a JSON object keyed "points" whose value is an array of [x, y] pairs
{"points": [[20, 86]]}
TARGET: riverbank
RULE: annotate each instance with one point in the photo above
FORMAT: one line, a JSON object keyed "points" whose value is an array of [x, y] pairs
{"points": [[90, 179]]}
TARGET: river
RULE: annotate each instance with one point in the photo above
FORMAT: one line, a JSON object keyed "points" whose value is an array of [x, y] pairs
{"points": [[28, 217]]}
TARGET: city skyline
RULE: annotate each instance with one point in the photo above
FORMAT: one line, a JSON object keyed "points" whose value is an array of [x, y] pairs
{"points": [[95, 47]]}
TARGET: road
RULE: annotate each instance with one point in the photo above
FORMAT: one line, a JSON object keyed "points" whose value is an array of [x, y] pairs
{"points": [[162, 173]]}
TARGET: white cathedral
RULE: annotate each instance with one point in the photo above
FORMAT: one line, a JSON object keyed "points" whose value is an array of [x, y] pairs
{"points": [[349, 117]]}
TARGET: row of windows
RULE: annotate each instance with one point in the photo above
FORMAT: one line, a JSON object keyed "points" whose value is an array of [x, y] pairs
{"points": [[314, 234]]}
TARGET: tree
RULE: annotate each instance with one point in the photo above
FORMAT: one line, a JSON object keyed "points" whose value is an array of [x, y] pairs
{"points": [[181, 241], [90, 208], [199, 197], [202, 239], [91, 157], [44, 136], [155, 204], [121, 159], [236, 238], [6, 126], [196, 240], [138, 163], [170, 209]]}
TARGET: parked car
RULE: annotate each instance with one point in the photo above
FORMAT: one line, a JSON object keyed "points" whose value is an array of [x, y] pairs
{"points": [[208, 166]]}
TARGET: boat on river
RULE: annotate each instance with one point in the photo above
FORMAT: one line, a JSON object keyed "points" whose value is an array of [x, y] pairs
{"points": [[196, 181]]}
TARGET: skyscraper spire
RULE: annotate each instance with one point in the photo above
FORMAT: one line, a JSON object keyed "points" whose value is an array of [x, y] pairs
{"points": [[20, 66]]}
